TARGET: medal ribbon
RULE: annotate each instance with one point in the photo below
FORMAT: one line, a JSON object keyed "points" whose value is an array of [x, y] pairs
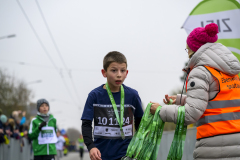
{"points": [[120, 120]]}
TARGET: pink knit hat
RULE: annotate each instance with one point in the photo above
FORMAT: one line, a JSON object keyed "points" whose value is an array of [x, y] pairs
{"points": [[200, 36]]}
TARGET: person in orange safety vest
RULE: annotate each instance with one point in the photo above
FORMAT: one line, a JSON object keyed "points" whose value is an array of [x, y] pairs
{"points": [[212, 100]]}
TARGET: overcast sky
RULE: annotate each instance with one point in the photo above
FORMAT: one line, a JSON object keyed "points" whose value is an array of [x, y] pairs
{"points": [[148, 33]]}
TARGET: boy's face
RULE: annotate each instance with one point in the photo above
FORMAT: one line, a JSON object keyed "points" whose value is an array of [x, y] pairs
{"points": [[44, 108], [58, 134], [115, 74]]}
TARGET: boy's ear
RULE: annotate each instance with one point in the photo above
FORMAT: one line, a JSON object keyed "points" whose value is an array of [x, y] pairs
{"points": [[126, 73], [104, 73]]}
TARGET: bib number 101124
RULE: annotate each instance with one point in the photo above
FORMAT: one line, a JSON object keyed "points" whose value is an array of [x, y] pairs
{"points": [[111, 121]]}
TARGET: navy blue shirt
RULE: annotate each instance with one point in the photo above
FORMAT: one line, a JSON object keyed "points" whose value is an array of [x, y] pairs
{"points": [[106, 133]]}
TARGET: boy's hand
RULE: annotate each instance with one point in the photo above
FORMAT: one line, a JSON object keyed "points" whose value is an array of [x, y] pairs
{"points": [[42, 125], [167, 99], [8, 131], [25, 133], [24, 113], [95, 154], [154, 107]]}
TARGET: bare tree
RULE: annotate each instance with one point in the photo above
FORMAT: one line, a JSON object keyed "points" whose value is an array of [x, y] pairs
{"points": [[14, 94], [73, 134]]}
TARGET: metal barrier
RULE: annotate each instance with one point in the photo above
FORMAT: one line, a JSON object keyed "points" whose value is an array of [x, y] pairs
{"points": [[188, 148], [16, 150]]}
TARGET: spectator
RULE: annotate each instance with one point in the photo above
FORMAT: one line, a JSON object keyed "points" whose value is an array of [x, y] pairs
{"points": [[3, 121], [23, 120], [16, 133], [13, 127], [18, 122], [10, 127]]}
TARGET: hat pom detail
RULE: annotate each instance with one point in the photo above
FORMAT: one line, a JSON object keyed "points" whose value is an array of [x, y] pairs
{"points": [[211, 29]]}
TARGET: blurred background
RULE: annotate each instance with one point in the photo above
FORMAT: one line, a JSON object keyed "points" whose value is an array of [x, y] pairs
{"points": [[54, 49]]}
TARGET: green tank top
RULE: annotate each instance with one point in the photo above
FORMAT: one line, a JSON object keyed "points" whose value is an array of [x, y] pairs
{"points": [[81, 142]]}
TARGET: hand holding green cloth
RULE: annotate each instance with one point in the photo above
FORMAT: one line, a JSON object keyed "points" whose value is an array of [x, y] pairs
{"points": [[146, 141]]}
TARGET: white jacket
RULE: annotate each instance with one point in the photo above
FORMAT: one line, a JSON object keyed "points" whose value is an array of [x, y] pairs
{"points": [[196, 100]]}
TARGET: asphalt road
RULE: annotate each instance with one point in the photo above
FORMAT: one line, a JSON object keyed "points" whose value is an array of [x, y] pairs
{"points": [[75, 156]]}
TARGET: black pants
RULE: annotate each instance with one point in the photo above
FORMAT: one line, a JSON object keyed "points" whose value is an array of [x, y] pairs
{"points": [[47, 157], [81, 152]]}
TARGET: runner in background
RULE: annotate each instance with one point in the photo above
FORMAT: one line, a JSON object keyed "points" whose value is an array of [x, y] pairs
{"points": [[42, 132], [81, 146], [59, 145], [65, 147]]}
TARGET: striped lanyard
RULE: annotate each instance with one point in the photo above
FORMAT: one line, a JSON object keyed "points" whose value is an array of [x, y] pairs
{"points": [[176, 149]]}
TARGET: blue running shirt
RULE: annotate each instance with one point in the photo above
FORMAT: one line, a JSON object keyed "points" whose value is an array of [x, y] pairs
{"points": [[107, 137]]}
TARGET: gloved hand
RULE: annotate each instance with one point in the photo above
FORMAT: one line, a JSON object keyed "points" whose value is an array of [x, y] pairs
{"points": [[42, 125]]}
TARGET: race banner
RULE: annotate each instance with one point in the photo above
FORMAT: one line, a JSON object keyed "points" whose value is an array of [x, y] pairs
{"points": [[226, 14]]}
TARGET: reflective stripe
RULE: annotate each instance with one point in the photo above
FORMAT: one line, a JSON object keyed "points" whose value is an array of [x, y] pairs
{"points": [[218, 128], [219, 117], [223, 104]]}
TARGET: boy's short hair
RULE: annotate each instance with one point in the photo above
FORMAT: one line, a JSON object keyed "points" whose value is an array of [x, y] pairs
{"points": [[113, 56]]}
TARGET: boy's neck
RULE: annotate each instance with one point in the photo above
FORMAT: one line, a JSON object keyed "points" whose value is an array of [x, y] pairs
{"points": [[113, 88], [42, 114]]}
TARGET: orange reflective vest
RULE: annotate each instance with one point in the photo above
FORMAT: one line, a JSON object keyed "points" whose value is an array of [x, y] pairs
{"points": [[222, 115]]}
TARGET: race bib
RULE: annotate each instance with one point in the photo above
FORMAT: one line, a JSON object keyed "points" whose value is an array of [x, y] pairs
{"points": [[106, 125], [81, 144], [47, 135]]}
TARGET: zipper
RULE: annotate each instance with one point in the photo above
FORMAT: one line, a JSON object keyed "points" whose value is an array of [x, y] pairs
{"points": [[47, 143]]}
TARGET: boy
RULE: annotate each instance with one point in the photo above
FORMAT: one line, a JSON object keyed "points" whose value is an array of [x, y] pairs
{"points": [[113, 107], [43, 132], [59, 145], [3, 123]]}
